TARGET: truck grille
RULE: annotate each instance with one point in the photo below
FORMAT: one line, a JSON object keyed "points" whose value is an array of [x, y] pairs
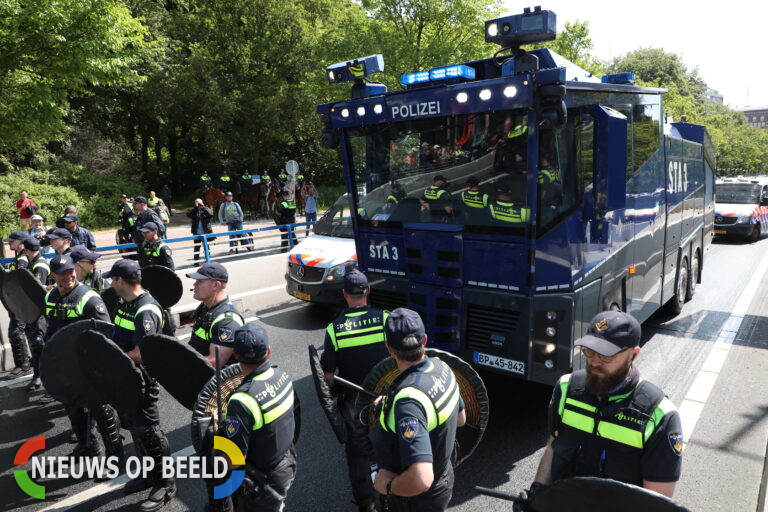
{"points": [[490, 327], [311, 274], [725, 220], [387, 300]]}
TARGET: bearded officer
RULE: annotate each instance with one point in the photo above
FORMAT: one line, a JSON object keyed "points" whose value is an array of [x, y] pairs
{"points": [[216, 318], [354, 344], [414, 437], [606, 421], [154, 251], [139, 315], [35, 331], [16, 329], [85, 268], [260, 422], [67, 303]]}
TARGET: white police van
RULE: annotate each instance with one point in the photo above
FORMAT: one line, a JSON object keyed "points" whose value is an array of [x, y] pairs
{"points": [[316, 266], [741, 208]]}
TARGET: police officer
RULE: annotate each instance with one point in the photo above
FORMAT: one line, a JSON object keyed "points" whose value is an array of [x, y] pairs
{"points": [[437, 199], [144, 214], [205, 183], [475, 203], [395, 196], [80, 235], [414, 437], [260, 422], [506, 212], [511, 148], [60, 240], [282, 178], [285, 213], [139, 315], [35, 331], [606, 421], [85, 268], [245, 181], [16, 329], [547, 175], [66, 303], [216, 319], [225, 182], [154, 251], [354, 344], [126, 219]]}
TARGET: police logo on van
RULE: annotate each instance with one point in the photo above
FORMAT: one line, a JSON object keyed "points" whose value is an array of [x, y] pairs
{"points": [[424, 108]]}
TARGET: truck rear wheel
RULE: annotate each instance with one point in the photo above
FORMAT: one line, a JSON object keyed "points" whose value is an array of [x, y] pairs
{"points": [[675, 304], [694, 276]]}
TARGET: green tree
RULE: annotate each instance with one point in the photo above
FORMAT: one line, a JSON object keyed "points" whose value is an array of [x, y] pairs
{"points": [[655, 66], [575, 44], [53, 50]]}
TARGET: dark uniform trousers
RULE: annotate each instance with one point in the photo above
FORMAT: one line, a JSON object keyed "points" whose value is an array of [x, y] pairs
{"points": [[265, 428], [286, 214], [444, 404], [16, 329], [35, 332], [59, 312]]}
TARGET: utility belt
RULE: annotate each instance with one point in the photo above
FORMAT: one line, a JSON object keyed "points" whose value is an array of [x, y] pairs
{"points": [[256, 480]]}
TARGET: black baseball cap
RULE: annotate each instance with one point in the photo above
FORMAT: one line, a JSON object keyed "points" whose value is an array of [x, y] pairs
{"points": [[59, 233], [610, 332], [70, 218], [81, 252], [403, 323], [16, 235], [439, 177], [251, 343], [149, 226], [32, 244], [127, 269], [211, 270], [473, 181], [355, 282], [140, 199], [61, 263]]}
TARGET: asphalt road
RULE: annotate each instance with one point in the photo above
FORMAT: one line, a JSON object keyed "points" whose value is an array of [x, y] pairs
{"points": [[710, 360]]}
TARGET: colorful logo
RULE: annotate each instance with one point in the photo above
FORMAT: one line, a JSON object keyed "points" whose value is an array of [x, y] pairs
{"points": [[22, 476], [236, 456]]}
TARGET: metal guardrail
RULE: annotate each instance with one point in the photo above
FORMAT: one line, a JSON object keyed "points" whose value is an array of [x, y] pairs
{"points": [[208, 241]]}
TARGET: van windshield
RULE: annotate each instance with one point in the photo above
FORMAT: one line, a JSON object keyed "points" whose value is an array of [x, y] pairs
{"points": [[738, 193], [336, 221]]}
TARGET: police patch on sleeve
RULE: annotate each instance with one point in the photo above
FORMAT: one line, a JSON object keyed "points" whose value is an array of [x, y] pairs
{"points": [[225, 333], [233, 424], [148, 325], [676, 442], [408, 428]]}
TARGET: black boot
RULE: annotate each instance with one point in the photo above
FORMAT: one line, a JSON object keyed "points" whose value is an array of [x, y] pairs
{"points": [[37, 350], [163, 490], [108, 424], [158, 497], [87, 444], [20, 355]]}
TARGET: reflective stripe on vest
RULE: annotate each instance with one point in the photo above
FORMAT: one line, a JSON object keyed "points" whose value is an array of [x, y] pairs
{"points": [[155, 253], [153, 202], [357, 337], [206, 335], [606, 429], [392, 198], [288, 205], [129, 323], [434, 193], [272, 409], [474, 199], [42, 263], [509, 212], [225, 179], [517, 131], [15, 264], [548, 174], [71, 313], [437, 412]]}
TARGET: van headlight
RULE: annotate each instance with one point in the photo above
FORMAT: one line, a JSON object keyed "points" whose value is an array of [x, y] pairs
{"points": [[338, 271], [744, 220]]}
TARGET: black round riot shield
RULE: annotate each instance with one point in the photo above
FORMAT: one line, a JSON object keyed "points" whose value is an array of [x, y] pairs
{"points": [[471, 388], [111, 372], [328, 402], [61, 366], [23, 295], [111, 300], [3, 273], [163, 283], [179, 368], [586, 494], [205, 411]]}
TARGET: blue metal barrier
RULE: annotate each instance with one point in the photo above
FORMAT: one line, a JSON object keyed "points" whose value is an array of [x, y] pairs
{"points": [[203, 238]]}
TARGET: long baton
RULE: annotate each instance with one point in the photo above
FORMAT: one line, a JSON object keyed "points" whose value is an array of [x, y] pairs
{"points": [[218, 387], [502, 495], [354, 387]]}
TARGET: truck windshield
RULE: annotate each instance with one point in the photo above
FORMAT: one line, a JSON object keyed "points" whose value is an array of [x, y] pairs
{"points": [[465, 169], [739, 193], [336, 221]]}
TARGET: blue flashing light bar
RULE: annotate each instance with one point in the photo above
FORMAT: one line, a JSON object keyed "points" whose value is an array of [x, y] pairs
{"points": [[619, 78], [437, 74]]}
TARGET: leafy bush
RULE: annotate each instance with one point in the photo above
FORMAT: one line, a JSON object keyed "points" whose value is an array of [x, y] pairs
{"points": [[328, 194]]}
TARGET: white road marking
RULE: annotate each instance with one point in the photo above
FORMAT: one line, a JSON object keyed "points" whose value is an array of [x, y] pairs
{"points": [[698, 394], [18, 380], [103, 488]]}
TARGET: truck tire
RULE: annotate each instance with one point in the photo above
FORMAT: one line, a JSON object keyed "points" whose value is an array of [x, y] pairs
{"points": [[694, 276], [675, 304]]}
